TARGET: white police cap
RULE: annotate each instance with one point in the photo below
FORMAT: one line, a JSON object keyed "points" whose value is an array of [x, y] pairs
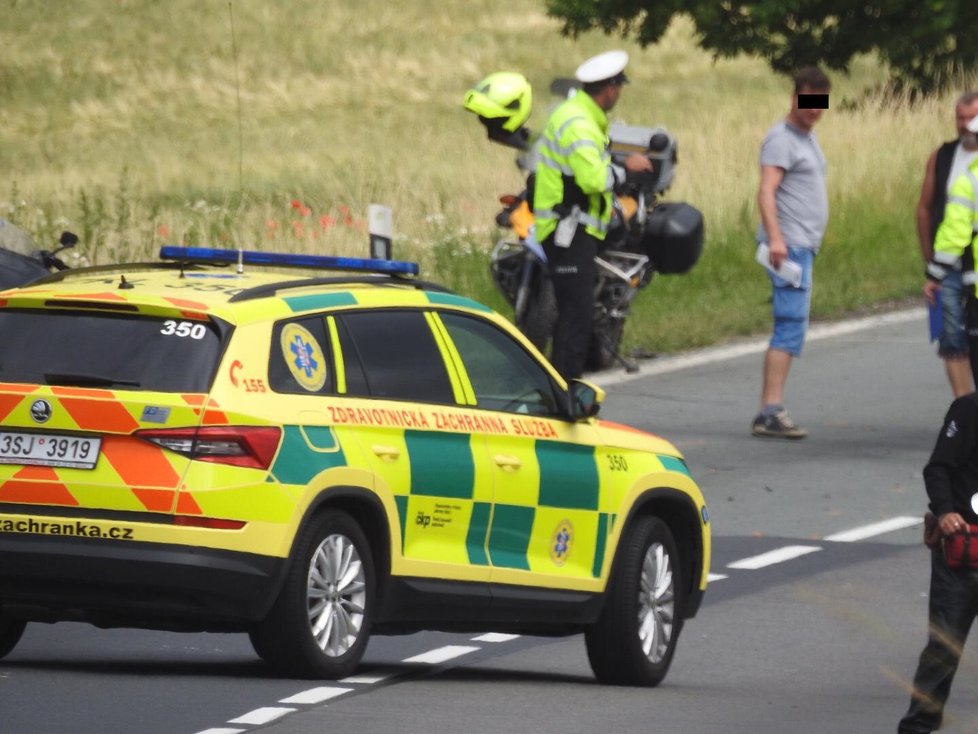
{"points": [[972, 126], [608, 65]]}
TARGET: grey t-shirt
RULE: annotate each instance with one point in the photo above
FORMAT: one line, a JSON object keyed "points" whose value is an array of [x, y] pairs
{"points": [[802, 199]]}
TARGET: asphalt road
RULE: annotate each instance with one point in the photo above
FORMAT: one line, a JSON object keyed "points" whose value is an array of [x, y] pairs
{"points": [[814, 627]]}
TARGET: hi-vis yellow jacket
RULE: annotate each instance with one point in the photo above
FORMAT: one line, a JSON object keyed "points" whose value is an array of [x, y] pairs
{"points": [[575, 167], [955, 237]]}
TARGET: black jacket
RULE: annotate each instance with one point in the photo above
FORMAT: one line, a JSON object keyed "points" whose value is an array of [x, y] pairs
{"points": [[951, 475]]}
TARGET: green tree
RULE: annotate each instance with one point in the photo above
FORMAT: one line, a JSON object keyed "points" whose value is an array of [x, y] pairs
{"points": [[923, 42]]}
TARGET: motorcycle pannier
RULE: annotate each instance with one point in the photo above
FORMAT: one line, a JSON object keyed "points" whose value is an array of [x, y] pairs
{"points": [[673, 237]]}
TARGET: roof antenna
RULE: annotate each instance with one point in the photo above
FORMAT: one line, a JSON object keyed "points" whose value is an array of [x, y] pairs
{"points": [[240, 260]]}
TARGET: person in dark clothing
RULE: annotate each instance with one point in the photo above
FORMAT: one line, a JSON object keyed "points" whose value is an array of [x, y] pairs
{"points": [[951, 480]]}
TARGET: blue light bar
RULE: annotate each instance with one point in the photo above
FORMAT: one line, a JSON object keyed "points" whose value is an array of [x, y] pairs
{"points": [[287, 260]]}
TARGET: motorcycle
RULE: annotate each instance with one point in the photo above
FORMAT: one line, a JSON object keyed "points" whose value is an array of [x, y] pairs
{"points": [[646, 236], [22, 262]]}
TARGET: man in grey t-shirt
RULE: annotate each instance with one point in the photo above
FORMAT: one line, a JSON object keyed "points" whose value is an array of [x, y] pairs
{"points": [[794, 209]]}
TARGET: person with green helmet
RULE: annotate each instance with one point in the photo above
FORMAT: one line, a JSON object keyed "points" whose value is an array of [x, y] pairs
{"points": [[572, 200]]}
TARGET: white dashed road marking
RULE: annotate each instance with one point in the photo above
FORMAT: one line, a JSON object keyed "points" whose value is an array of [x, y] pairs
{"points": [[366, 679], [316, 695], [877, 528], [261, 716], [779, 555], [321, 694], [495, 637], [441, 654]]}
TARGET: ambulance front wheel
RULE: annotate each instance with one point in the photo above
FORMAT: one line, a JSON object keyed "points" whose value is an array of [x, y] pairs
{"points": [[10, 633], [633, 642], [319, 626]]}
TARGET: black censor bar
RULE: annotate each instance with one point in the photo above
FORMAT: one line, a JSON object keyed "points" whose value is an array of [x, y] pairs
{"points": [[813, 101]]}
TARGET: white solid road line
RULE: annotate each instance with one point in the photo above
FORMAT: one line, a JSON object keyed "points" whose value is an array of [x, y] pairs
{"points": [[221, 730], [876, 528], [710, 578], [699, 357], [441, 654], [779, 555]]}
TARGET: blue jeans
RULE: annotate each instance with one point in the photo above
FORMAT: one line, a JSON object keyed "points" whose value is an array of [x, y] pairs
{"points": [[953, 342], [791, 305]]}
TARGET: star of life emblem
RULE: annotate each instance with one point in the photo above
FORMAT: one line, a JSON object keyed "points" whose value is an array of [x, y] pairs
{"points": [[304, 359]]}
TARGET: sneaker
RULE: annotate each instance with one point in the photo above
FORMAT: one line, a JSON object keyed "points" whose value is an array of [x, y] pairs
{"points": [[778, 425]]}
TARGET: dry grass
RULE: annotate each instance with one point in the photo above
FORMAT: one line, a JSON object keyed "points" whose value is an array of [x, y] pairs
{"points": [[120, 120]]}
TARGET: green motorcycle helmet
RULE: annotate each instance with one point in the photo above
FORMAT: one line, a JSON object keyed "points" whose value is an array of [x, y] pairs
{"points": [[503, 101]]}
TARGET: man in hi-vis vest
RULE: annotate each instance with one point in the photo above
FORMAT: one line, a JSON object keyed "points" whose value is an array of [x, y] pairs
{"points": [[954, 248], [944, 167], [572, 200]]}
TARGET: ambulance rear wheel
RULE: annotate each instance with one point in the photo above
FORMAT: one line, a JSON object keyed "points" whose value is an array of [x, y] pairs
{"points": [[10, 633], [633, 642], [319, 626]]}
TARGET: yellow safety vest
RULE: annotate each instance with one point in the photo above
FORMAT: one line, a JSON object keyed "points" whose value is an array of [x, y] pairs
{"points": [[575, 168], [958, 229]]}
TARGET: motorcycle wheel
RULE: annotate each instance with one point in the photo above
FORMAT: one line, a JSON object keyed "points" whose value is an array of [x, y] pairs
{"points": [[605, 341], [541, 313]]}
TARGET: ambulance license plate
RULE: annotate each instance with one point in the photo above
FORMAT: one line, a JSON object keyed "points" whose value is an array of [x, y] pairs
{"points": [[49, 449]]}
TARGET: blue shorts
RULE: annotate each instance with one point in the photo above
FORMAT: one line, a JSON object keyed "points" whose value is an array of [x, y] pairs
{"points": [[953, 342], [791, 305]]}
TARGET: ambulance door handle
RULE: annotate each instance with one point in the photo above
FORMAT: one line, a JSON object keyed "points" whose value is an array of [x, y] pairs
{"points": [[387, 453], [507, 463]]}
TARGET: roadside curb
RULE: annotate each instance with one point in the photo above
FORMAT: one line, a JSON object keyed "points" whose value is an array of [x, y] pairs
{"points": [[708, 355]]}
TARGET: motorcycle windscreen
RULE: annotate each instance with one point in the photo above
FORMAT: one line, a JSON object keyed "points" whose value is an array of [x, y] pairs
{"points": [[17, 270]]}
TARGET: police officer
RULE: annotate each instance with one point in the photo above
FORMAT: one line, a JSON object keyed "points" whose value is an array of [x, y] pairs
{"points": [[572, 200]]}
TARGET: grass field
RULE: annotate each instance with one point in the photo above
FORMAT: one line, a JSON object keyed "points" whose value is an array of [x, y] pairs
{"points": [[136, 123]]}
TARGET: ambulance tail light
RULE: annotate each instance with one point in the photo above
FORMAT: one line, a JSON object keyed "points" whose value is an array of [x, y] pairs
{"points": [[249, 446]]}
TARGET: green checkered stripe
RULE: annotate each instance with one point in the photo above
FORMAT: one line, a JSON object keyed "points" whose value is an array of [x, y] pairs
{"points": [[442, 466], [305, 452]]}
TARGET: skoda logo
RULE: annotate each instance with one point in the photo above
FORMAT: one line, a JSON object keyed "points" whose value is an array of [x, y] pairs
{"points": [[40, 411]]}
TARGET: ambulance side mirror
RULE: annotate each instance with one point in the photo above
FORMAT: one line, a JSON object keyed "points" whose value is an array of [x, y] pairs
{"points": [[583, 400]]}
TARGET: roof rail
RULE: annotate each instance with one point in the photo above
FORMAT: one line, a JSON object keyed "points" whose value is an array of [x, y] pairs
{"points": [[117, 268], [286, 260], [269, 289]]}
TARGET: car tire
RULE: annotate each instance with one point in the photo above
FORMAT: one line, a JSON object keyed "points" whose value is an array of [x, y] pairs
{"points": [[10, 634], [320, 623], [633, 642]]}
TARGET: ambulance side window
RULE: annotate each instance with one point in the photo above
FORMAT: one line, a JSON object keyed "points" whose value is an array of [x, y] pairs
{"points": [[397, 354], [299, 358], [503, 375]]}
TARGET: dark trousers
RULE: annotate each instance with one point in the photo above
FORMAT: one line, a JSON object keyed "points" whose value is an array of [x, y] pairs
{"points": [[573, 273], [952, 608]]}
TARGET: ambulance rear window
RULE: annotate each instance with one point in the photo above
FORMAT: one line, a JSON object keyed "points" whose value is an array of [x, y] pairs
{"points": [[111, 351]]}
